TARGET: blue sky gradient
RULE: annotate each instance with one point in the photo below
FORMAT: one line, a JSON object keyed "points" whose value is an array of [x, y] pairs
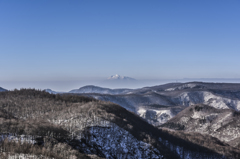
{"points": [[61, 40]]}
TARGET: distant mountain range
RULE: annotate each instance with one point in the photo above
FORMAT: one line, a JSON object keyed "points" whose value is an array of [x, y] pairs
{"points": [[100, 90], [158, 104]]}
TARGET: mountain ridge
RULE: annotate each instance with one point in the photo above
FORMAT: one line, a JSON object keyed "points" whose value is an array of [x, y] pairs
{"points": [[101, 90], [2, 89]]}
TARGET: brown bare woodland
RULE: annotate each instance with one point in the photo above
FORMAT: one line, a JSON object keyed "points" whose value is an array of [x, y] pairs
{"points": [[54, 121]]}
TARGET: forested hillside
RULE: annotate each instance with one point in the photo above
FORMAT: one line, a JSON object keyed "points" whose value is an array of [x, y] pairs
{"points": [[36, 123]]}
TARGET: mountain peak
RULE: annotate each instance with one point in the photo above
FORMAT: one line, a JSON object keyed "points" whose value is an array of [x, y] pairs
{"points": [[118, 77]]}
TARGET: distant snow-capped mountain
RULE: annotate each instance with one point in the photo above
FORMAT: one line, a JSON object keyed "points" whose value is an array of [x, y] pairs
{"points": [[118, 77], [117, 81]]}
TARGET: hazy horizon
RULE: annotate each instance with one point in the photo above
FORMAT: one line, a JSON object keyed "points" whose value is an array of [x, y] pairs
{"points": [[65, 86]]}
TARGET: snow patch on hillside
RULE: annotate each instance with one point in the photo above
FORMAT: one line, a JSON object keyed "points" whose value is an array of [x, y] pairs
{"points": [[154, 116], [208, 98], [116, 142], [106, 138], [27, 156], [20, 138]]}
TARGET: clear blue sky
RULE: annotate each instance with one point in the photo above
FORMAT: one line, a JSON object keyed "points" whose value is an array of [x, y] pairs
{"points": [[42, 40]]}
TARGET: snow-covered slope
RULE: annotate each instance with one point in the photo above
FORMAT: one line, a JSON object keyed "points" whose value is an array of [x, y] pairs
{"points": [[116, 142], [117, 81], [222, 124], [118, 77], [206, 97], [105, 138], [155, 117], [217, 95], [142, 103]]}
